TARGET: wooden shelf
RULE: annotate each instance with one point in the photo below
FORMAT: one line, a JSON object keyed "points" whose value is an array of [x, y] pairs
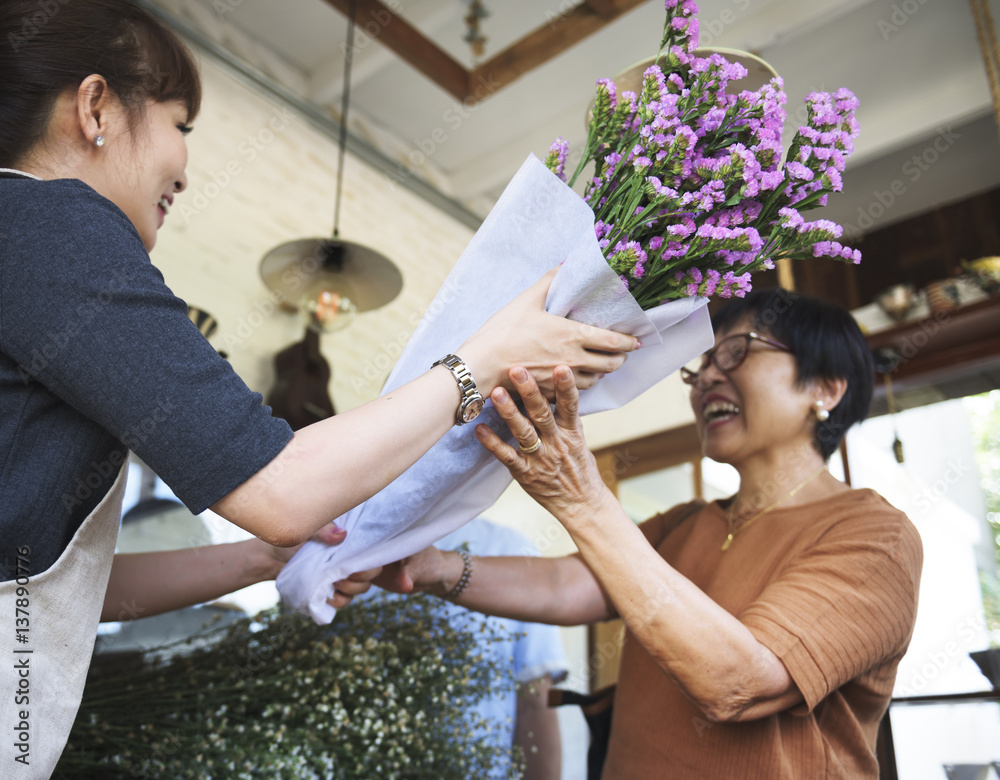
{"points": [[944, 345]]}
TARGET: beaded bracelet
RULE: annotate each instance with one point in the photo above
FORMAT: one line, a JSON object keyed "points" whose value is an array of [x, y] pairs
{"points": [[463, 581]]}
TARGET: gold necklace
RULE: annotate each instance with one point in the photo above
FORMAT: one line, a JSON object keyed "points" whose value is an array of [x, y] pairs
{"points": [[733, 530]]}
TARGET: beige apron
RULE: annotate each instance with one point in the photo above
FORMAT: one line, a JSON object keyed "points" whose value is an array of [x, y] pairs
{"points": [[44, 658]]}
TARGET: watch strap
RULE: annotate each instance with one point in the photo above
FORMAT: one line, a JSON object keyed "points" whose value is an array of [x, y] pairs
{"points": [[466, 384]]}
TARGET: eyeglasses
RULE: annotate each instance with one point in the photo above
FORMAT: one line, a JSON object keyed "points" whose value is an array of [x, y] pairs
{"points": [[729, 355]]}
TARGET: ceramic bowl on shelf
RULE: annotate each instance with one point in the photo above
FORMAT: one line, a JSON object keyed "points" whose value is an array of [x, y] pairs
{"points": [[985, 272], [897, 301]]}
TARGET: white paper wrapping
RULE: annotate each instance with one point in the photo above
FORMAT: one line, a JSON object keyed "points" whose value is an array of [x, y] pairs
{"points": [[537, 224]]}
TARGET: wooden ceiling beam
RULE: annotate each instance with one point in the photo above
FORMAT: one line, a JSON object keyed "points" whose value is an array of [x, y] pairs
{"points": [[547, 42], [604, 8], [379, 22]]}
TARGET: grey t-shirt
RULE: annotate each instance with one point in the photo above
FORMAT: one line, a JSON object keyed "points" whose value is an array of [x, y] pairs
{"points": [[97, 356]]}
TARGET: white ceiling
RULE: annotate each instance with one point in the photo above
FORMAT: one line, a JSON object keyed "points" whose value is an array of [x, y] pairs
{"points": [[928, 128]]}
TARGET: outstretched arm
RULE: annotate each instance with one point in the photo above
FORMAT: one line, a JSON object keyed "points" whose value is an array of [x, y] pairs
{"points": [[151, 583], [333, 465], [560, 591]]}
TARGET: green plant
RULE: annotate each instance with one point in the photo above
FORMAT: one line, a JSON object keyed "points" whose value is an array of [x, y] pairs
{"points": [[984, 415], [382, 692]]}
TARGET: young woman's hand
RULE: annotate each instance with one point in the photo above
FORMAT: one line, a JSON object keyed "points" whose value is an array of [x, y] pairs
{"points": [[523, 334], [279, 556], [431, 570]]}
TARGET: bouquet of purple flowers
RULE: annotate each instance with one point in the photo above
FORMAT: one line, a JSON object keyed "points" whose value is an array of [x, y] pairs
{"points": [[688, 188]]}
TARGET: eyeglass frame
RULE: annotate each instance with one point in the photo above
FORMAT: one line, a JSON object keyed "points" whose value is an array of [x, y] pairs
{"points": [[690, 377]]}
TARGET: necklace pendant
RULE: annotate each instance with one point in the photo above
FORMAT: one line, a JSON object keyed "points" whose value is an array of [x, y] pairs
{"points": [[728, 543]]}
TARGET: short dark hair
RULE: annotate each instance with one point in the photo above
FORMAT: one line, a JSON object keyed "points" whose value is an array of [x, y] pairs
{"points": [[50, 46], [826, 343]]}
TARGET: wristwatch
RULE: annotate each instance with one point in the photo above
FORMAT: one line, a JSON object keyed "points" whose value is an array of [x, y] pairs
{"points": [[472, 400]]}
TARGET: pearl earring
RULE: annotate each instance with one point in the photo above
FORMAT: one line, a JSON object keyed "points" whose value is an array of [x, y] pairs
{"points": [[821, 414], [99, 140]]}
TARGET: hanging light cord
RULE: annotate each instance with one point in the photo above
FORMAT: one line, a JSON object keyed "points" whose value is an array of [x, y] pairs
{"points": [[987, 35], [344, 105]]}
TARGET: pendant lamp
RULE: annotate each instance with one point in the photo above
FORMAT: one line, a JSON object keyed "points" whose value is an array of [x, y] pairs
{"points": [[329, 280]]}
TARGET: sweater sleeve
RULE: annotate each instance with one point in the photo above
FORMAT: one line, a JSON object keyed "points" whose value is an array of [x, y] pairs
{"points": [[85, 314], [846, 605]]}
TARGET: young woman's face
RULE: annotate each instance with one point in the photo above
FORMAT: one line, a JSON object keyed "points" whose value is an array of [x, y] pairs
{"points": [[152, 160], [757, 409]]}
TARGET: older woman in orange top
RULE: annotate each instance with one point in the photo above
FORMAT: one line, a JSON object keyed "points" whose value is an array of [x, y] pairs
{"points": [[764, 630]]}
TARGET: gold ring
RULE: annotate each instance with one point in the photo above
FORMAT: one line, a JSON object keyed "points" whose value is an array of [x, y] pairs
{"points": [[533, 448]]}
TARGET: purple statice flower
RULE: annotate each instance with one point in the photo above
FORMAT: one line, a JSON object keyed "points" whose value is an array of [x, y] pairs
{"points": [[625, 111], [604, 104], [713, 193], [750, 237], [679, 87], [682, 152], [737, 286], [712, 278], [745, 164], [712, 120], [666, 110], [602, 229], [673, 249], [609, 90], [654, 84], [846, 101], [767, 152], [655, 243], [836, 249], [821, 229], [625, 256], [791, 218], [555, 160], [771, 180], [656, 189], [683, 230], [733, 71], [832, 179], [798, 171], [610, 163]]}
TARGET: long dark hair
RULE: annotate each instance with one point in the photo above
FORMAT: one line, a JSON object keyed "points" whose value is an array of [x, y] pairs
{"points": [[826, 343], [50, 46]]}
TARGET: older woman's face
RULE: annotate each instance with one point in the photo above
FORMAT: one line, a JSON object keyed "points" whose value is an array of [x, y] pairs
{"points": [[756, 409]]}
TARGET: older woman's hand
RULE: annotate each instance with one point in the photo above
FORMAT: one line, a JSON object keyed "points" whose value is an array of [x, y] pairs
{"points": [[561, 474]]}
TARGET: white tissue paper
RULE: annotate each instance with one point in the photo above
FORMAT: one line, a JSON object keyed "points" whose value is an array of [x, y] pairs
{"points": [[537, 224]]}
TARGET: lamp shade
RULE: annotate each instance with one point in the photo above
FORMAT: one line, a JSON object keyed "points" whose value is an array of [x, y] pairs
{"points": [[759, 73], [303, 267]]}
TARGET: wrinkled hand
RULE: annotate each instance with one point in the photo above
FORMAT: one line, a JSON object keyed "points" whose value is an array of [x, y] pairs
{"points": [[562, 474], [523, 334]]}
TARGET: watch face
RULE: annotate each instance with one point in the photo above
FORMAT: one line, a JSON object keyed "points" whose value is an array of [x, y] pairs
{"points": [[471, 410]]}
